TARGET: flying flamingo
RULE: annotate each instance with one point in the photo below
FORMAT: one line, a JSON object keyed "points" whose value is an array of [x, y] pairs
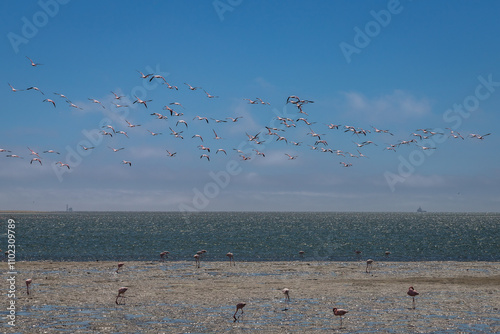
{"points": [[87, 148], [120, 265], [339, 312], [51, 151], [116, 149], [98, 102], [144, 102], [157, 76], [257, 152], [125, 162], [262, 102], [291, 157], [369, 263], [117, 97], [221, 150], [144, 76], [33, 152], [4, 150], [32, 62], [170, 86], [28, 282], [191, 87], [35, 88], [13, 89], [121, 291], [231, 258], [205, 156], [130, 125], [13, 156], [194, 136], [210, 96], [411, 292], [154, 133], [178, 104], [61, 164], [62, 95], [234, 119], [121, 105], [475, 135], [73, 105], [200, 118], [181, 121], [36, 159], [171, 154], [239, 306], [122, 133]]}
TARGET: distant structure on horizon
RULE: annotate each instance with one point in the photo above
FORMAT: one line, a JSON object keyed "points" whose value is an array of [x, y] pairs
{"points": [[420, 209], [68, 208]]}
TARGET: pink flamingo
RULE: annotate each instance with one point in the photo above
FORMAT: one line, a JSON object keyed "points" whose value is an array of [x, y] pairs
{"points": [[411, 292], [197, 259], [369, 263], [339, 312], [28, 282], [163, 255], [231, 258], [239, 306], [286, 292], [121, 264], [121, 291]]}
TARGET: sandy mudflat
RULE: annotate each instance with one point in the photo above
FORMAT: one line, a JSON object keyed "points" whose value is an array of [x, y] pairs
{"points": [[176, 297]]}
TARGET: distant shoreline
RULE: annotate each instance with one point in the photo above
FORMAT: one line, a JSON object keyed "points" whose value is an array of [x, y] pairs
{"points": [[203, 212]]}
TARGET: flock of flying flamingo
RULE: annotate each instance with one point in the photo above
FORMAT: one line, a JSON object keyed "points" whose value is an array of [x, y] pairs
{"points": [[178, 127]]}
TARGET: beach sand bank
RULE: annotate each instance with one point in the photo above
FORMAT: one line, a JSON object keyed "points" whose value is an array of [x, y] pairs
{"points": [[177, 297]]}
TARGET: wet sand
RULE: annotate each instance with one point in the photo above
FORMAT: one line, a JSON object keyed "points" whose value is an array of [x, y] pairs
{"points": [[177, 297]]}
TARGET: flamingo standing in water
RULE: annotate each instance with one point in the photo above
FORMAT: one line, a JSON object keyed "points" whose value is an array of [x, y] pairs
{"points": [[411, 292], [239, 306], [121, 291], [339, 312], [286, 292], [369, 263], [121, 264], [231, 258], [163, 255], [28, 282], [197, 260]]}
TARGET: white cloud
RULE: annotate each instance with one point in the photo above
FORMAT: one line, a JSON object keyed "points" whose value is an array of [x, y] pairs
{"points": [[397, 106]]}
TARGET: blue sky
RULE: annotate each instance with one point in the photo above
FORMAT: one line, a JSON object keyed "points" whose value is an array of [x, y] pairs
{"points": [[397, 66]]}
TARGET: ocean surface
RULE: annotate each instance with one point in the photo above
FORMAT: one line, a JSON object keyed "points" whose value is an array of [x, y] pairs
{"points": [[255, 236]]}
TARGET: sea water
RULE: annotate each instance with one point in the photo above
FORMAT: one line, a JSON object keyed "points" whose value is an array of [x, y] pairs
{"points": [[255, 236]]}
